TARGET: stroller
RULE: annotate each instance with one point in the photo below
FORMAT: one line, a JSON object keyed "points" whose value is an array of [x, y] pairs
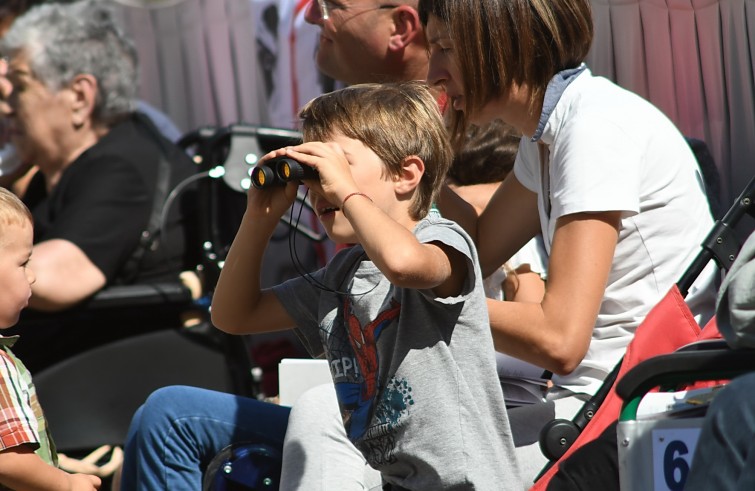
{"points": [[570, 445]]}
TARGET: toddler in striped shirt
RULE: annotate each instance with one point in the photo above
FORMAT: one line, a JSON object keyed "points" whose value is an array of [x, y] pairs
{"points": [[27, 455]]}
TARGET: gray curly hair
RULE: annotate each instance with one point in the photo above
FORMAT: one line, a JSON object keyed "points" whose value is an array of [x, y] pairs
{"points": [[65, 40]]}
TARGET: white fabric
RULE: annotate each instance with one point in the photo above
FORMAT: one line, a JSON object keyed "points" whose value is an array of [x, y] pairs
{"points": [[317, 454], [9, 160], [522, 382], [207, 62], [532, 254], [493, 284], [693, 59], [609, 150], [296, 78]]}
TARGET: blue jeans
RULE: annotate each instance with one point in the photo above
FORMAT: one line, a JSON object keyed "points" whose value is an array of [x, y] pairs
{"points": [[725, 454], [176, 433]]}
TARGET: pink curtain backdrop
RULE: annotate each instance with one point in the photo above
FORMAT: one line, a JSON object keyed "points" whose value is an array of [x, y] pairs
{"points": [[224, 61]]}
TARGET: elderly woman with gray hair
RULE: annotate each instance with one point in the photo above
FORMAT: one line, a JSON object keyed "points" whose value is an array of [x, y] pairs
{"points": [[71, 113]]}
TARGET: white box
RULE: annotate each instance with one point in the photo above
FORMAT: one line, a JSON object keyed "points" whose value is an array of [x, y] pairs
{"points": [[297, 375]]}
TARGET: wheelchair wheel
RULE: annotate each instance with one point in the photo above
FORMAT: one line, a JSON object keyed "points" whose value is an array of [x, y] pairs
{"points": [[244, 467], [556, 437]]}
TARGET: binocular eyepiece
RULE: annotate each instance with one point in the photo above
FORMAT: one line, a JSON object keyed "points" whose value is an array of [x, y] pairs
{"points": [[280, 171]]}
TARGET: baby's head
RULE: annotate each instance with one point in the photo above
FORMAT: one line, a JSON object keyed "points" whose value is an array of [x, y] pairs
{"points": [[16, 238], [396, 121]]}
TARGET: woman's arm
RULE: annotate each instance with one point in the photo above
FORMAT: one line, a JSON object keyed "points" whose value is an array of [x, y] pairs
{"points": [[508, 222], [556, 332], [454, 206], [65, 275]]}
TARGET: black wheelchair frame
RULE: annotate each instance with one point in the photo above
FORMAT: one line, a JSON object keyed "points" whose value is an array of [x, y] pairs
{"points": [[89, 398]]}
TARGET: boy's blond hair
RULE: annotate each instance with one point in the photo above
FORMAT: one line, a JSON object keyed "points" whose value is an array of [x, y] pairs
{"points": [[395, 120], [12, 210]]}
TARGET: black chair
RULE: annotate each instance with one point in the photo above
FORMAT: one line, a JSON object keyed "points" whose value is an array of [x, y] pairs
{"points": [[89, 399]]}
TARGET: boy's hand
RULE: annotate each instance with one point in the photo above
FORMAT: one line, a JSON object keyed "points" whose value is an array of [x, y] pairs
{"points": [[84, 482], [336, 181]]}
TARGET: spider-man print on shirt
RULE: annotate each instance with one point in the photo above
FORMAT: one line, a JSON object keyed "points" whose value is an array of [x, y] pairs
{"points": [[357, 396]]}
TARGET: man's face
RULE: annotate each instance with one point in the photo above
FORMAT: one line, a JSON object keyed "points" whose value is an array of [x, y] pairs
{"points": [[353, 39]]}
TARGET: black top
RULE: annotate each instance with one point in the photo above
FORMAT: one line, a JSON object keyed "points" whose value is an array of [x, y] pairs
{"points": [[104, 199], [103, 203]]}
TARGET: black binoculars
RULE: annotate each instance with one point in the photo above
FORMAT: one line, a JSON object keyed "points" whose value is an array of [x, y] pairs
{"points": [[280, 171]]}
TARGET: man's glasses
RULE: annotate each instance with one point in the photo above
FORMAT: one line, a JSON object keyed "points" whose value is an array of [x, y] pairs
{"points": [[327, 6]]}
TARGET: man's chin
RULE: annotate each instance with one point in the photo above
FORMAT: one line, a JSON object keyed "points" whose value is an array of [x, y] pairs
{"points": [[324, 62], [332, 71]]}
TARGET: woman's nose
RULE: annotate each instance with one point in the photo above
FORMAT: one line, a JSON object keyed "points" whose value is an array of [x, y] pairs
{"points": [[435, 76]]}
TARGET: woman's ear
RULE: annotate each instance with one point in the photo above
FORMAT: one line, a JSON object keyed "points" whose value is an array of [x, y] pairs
{"points": [[412, 170], [83, 95], [406, 27]]}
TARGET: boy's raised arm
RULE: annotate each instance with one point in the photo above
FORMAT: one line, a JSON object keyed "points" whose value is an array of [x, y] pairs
{"points": [[382, 224], [239, 305], [398, 254]]}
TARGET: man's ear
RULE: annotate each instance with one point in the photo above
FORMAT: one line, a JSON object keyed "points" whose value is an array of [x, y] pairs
{"points": [[407, 27], [412, 170], [83, 95]]}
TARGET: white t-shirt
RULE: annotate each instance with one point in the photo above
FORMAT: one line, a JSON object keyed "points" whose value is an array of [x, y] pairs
{"points": [[609, 149], [532, 254]]}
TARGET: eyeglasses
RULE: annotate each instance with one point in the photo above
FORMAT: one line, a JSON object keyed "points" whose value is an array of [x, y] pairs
{"points": [[327, 6]]}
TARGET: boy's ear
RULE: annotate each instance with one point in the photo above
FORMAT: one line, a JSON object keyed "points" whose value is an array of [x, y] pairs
{"points": [[83, 95], [406, 27], [412, 170]]}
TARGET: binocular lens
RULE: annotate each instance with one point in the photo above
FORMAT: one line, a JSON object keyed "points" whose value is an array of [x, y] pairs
{"points": [[263, 176], [280, 171], [284, 170], [291, 170]]}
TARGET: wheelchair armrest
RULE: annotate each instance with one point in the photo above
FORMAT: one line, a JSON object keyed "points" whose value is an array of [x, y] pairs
{"points": [[120, 300], [140, 295], [705, 345], [681, 367]]}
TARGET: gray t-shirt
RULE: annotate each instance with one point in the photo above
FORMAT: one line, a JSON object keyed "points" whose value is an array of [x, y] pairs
{"points": [[415, 374]]}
